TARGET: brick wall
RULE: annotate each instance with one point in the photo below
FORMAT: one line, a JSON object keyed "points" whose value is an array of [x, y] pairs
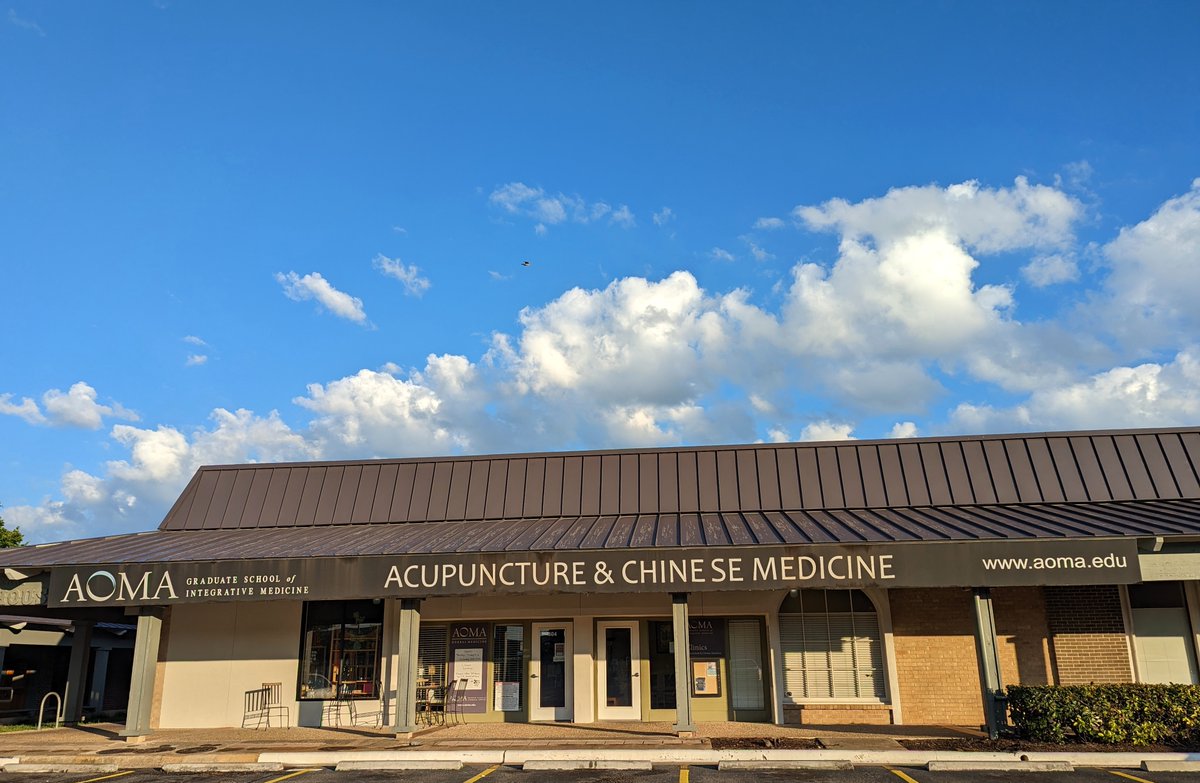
{"points": [[934, 636], [1087, 632]]}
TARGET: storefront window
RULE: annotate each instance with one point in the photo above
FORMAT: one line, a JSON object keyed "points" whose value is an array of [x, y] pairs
{"points": [[340, 655], [508, 656], [831, 646]]}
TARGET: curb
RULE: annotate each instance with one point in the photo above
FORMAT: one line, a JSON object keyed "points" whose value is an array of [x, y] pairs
{"points": [[85, 769], [254, 766], [397, 765], [564, 765], [1000, 766], [336, 758], [781, 764], [1151, 765]]}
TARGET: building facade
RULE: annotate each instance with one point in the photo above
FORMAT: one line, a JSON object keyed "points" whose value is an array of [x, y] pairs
{"points": [[899, 581]]}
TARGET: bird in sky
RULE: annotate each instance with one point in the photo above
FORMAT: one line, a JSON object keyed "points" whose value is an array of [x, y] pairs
{"points": [[526, 263]]}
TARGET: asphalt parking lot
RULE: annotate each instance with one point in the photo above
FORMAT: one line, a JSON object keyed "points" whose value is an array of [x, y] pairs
{"points": [[664, 774]]}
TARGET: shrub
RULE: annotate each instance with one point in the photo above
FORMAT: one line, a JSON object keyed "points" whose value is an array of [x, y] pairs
{"points": [[1108, 714]]}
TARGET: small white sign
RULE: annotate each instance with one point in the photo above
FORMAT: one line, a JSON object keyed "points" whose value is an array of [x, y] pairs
{"points": [[468, 665], [508, 697]]}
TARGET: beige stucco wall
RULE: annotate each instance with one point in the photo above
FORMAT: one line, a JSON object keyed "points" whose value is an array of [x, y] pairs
{"points": [[216, 652]]}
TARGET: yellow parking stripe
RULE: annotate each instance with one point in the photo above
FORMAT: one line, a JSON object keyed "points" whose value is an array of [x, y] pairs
{"points": [[902, 775], [683, 775], [1127, 775], [292, 774], [482, 775], [110, 777]]}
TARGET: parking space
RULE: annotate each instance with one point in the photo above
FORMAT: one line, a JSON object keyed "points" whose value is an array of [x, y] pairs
{"points": [[662, 774]]}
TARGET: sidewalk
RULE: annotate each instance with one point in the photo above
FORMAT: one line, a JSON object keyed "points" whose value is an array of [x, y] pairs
{"points": [[517, 743]]}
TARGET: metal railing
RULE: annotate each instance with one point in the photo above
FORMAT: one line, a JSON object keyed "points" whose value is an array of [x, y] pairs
{"points": [[58, 712]]}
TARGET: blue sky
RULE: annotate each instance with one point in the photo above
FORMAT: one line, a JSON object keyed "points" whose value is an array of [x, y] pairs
{"points": [[276, 231]]}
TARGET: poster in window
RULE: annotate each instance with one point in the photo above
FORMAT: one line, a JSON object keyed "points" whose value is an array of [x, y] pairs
{"points": [[507, 697], [706, 678], [468, 641]]}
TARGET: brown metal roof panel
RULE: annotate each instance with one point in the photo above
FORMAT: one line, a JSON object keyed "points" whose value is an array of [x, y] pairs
{"points": [[331, 487], [1043, 523], [174, 520], [1110, 464], [727, 481], [256, 498], [385, 491], [599, 532], [935, 474], [422, 487], [1067, 470], [810, 478], [689, 483], [630, 486], [706, 475], [242, 482], [893, 474], [1000, 472], [573, 536], [364, 495], [644, 531], [1090, 471], [993, 524], [668, 482], [456, 493], [610, 484], [204, 492], [552, 487], [1191, 446], [853, 493], [621, 532], [1157, 466], [914, 474], [478, 536], [871, 472], [572, 491], [310, 494], [514, 488], [402, 494], [767, 472], [1135, 467], [276, 494], [439, 492], [553, 533], [749, 493], [763, 531], [220, 499], [784, 528], [477, 488], [497, 485], [343, 511], [980, 475], [790, 495], [648, 484], [1181, 467], [808, 527], [939, 523], [1078, 521], [690, 533], [1046, 471], [534, 494], [666, 530], [902, 529], [524, 533], [589, 495], [1022, 468], [957, 478], [857, 529], [713, 530], [736, 528]]}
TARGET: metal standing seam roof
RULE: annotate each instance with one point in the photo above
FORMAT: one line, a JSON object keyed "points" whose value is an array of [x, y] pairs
{"points": [[1012, 487], [1077, 467]]}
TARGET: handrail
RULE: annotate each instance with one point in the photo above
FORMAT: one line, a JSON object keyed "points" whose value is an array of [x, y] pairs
{"points": [[58, 713]]}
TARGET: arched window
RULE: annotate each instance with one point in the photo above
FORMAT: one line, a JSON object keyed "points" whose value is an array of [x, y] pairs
{"points": [[832, 646]]}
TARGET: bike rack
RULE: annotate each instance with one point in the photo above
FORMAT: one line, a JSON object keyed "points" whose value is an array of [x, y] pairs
{"points": [[58, 712]]}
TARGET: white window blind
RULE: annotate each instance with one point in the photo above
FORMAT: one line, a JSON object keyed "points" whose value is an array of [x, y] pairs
{"points": [[431, 654], [745, 664], [831, 654]]}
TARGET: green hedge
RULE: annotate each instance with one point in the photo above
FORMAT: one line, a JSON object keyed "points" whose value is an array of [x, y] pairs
{"points": [[1108, 714]]}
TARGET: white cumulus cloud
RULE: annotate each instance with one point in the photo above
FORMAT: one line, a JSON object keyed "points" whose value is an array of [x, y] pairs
{"points": [[408, 274], [79, 406], [314, 286]]}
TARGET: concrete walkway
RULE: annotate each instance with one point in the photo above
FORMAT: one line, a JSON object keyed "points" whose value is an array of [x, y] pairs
{"points": [[515, 743]]}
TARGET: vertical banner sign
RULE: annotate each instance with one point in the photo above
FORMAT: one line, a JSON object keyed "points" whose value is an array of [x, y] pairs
{"points": [[468, 667], [706, 637]]}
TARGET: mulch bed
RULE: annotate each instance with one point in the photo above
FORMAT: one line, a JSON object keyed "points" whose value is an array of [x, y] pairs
{"points": [[1019, 746], [764, 743]]}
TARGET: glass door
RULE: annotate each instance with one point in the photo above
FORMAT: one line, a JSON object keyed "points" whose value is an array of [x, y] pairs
{"points": [[551, 696], [619, 671]]}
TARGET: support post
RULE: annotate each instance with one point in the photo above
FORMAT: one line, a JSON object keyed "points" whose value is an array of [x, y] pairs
{"points": [[145, 668], [405, 720], [683, 692], [81, 648], [987, 649]]}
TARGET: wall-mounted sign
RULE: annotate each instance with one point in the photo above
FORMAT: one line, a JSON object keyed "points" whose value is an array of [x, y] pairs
{"points": [[468, 641], [706, 637], [706, 678], [912, 564]]}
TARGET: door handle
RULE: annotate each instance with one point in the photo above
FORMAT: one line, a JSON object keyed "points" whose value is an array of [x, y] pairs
{"points": [[533, 676], [637, 674]]}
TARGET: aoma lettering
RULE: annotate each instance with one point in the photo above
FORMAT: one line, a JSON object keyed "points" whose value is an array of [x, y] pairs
{"points": [[101, 586]]}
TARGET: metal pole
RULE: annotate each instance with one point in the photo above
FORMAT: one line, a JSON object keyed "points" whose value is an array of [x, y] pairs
{"points": [[987, 649], [81, 647], [405, 720], [683, 691]]}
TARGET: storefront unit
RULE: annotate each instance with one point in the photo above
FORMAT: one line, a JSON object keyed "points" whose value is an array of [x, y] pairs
{"points": [[899, 581]]}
